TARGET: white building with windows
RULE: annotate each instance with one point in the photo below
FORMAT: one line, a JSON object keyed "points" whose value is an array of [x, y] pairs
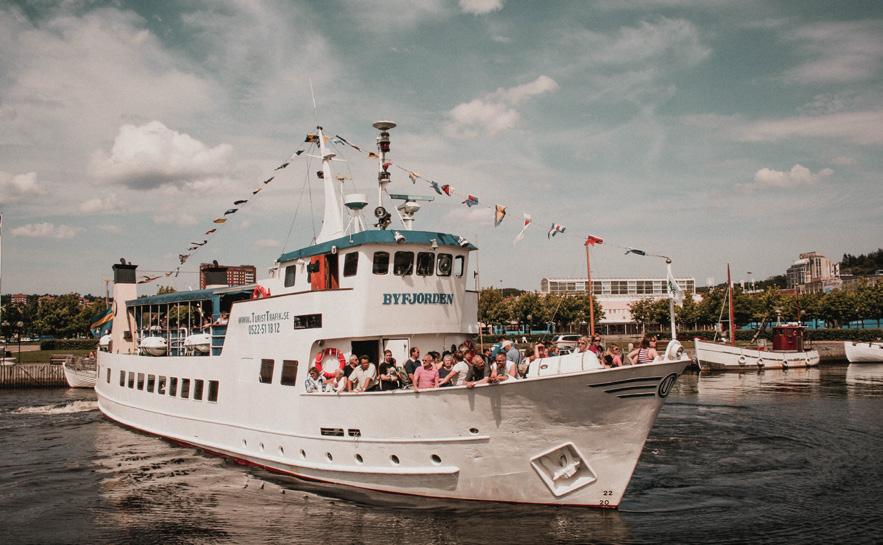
{"points": [[615, 295]]}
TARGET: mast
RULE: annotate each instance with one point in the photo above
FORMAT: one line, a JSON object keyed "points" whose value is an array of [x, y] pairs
{"points": [[732, 312], [332, 224]]}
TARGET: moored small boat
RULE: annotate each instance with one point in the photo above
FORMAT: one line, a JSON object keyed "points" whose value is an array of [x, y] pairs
{"points": [[870, 352], [735, 358], [80, 372]]}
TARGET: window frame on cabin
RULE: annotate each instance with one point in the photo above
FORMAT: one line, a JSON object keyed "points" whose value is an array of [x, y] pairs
{"points": [[350, 264], [380, 266]]}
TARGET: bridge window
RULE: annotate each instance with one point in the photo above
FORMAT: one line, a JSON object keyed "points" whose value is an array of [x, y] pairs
{"points": [[381, 262], [403, 264], [445, 261], [425, 263], [459, 265], [266, 376], [351, 264], [289, 373], [290, 272]]}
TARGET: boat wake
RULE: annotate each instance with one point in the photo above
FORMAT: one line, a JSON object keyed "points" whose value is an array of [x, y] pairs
{"points": [[79, 406]]}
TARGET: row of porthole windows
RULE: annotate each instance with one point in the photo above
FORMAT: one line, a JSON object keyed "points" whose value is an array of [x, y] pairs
{"points": [[393, 459], [161, 385]]}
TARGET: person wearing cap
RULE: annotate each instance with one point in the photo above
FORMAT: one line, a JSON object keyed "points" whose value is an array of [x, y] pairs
{"points": [[512, 353]]}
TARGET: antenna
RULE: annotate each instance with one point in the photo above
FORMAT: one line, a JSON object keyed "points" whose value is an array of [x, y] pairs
{"points": [[409, 207], [313, 95], [383, 170]]}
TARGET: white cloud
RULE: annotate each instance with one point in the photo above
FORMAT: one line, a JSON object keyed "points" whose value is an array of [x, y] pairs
{"points": [[676, 40], [14, 188], [843, 51], [480, 7], [266, 243], [181, 219], [857, 127], [45, 230], [495, 112], [152, 155], [799, 175], [843, 161], [380, 17], [96, 205], [111, 228]]}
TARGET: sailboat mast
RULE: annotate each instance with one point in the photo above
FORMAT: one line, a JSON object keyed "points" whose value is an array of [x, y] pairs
{"points": [[732, 312]]}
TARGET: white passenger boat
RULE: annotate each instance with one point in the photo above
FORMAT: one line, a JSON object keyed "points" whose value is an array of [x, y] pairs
{"points": [[870, 352], [80, 372], [569, 434]]}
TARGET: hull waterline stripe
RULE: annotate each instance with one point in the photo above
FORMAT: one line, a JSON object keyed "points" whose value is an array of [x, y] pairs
{"points": [[625, 381], [627, 388], [651, 394]]}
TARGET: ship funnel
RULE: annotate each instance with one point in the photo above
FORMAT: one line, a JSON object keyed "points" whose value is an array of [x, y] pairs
{"points": [[125, 289], [355, 202]]}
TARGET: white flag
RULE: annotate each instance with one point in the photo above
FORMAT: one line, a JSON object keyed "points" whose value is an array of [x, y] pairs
{"points": [[525, 224], [674, 290]]}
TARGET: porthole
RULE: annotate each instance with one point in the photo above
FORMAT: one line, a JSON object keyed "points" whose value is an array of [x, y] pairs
{"points": [[436, 459], [473, 431], [329, 456], [261, 445], [359, 459], [303, 453], [394, 459], [281, 451], [244, 443]]}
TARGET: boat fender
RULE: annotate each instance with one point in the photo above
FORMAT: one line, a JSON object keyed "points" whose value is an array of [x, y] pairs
{"points": [[806, 361], [760, 364], [784, 364], [742, 360], [260, 292], [329, 370]]}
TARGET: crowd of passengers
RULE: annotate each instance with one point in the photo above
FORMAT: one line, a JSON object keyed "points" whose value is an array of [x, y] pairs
{"points": [[462, 366]]}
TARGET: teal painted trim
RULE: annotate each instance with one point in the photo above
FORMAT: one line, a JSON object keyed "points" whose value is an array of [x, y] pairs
{"points": [[186, 296], [375, 237]]}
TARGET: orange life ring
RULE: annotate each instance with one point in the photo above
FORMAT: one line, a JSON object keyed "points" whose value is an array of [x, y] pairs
{"points": [[329, 370], [260, 292]]}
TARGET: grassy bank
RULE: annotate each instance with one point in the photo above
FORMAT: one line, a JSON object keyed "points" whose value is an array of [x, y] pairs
{"points": [[42, 356]]}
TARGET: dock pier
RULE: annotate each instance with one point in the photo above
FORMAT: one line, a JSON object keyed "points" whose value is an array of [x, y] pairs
{"points": [[32, 375]]}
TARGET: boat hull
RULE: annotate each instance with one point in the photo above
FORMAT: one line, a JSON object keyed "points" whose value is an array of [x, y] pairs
{"points": [[863, 352], [734, 358], [79, 377], [564, 440]]}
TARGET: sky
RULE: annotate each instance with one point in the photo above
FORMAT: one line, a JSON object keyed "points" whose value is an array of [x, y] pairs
{"points": [[714, 132]]}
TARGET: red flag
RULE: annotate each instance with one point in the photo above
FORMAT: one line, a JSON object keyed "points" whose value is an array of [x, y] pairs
{"points": [[591, 240]]}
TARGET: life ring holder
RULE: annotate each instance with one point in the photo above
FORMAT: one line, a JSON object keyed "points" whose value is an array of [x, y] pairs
{"points": [[260, 292], [332, 352]]}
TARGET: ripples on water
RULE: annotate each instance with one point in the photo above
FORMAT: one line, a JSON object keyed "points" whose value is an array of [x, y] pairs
{"points": [[791, 457]]}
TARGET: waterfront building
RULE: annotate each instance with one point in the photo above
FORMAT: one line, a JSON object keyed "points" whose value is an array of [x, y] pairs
{"points": [[19, 299], [615, 295], [212, 274], [813, 273]]}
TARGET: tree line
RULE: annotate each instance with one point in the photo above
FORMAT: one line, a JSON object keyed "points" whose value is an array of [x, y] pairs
{"points": [[60, 316], [836, 308], [566, 312]]}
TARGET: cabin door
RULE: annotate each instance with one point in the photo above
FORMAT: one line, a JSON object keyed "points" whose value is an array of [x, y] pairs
{"points": [[323, 272], [368, 348]]}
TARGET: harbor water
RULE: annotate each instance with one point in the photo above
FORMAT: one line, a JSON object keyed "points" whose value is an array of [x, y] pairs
{"points": [[776, 457]]}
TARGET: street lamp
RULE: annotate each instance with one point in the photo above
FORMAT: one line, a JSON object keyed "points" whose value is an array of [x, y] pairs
{"points": [[673, 289], [19, 325]]}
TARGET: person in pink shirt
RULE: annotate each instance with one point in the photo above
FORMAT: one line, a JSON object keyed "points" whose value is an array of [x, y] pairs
{"points": [[427, 375]]}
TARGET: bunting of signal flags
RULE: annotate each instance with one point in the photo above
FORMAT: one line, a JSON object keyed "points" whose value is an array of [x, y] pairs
{"points": [[499, 214], [195, 246], [555, 229], [525, 223], [471, 200]]}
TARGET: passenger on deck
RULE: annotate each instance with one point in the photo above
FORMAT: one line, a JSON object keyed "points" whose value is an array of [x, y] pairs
{"points": [[363, 377], [389, 373], [353, 364], [413, 363], [595, 346], [582, 344], [478, 373], [512, 353], [552, 351], [426, 376], [314, 382], [339, 383], [457, 376], [643, 354], [503, 369], [613, 352], [445, 370]]}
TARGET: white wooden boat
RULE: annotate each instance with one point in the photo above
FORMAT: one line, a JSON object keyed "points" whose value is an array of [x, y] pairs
{"points": [[721, 356], [569, 434], [860, 352], [80, 372]]}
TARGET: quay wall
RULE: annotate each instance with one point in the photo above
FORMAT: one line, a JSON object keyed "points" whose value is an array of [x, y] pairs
{"points": [[32, 375]]}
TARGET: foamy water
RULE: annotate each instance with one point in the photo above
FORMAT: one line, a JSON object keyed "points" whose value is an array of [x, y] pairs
{"points": [[60, 408]]}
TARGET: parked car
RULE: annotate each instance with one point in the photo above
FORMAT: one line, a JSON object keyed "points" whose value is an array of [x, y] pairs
{"points": [[566, 341]]}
